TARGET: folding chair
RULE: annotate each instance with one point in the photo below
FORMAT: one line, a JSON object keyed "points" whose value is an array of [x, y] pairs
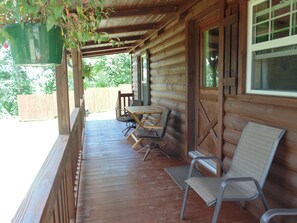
{"points": [[154, 134], [247, 173]]}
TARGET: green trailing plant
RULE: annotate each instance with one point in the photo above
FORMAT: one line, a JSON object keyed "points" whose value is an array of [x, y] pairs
{"points": [[79, 20]]}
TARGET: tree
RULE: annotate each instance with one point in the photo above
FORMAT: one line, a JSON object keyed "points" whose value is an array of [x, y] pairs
{"points": [[13, 81], [108, 71], [46, 80]]}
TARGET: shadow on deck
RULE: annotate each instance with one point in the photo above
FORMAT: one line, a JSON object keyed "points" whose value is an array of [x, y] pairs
{"points": [[118, 186]]}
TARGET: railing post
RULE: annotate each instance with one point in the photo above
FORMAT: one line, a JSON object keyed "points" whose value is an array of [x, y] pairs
{"points": [[76, 77], [62, 97]]}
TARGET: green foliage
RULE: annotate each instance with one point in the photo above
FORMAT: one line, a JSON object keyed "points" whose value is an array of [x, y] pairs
{"points": [[106, 71], [13, 81], [46, 80], [109, 71], [79, 20]]}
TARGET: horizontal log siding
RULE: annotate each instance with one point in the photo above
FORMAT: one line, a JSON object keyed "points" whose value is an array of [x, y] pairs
{"points": [[281, 183], [168, 88]]}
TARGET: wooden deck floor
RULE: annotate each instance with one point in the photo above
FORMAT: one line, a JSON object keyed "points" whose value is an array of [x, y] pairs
{"points": [[118, 186]]}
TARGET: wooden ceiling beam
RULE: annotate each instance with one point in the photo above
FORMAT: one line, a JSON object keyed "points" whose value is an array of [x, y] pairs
{"points": [[98, 48], [184, 8], [155, 10], [131, 28], [102, 53], [122, 39]]}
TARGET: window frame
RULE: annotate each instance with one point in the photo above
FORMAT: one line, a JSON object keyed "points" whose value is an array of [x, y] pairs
{"points": [[275, 43]]}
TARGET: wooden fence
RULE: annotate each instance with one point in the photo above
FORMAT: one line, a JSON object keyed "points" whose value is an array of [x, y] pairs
{"points": [[42, 107]]}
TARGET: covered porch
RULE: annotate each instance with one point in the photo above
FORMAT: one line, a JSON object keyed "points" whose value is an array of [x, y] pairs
{"points": [[93, 175], [118, 186]]}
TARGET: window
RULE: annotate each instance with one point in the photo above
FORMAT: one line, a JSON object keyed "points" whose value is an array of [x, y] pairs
{"points": [[272, 47], [210, 58], [144, 78]]}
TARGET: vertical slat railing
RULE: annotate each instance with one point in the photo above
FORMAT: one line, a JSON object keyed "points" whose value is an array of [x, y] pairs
{"points": [[51, 197], [123, 100]]}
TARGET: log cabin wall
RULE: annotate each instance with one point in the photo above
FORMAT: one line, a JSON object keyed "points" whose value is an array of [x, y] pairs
{"points": [[168, 70], [168, 81], [239, 108]]}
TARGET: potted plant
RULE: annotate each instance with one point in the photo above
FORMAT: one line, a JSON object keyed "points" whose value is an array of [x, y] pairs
{"points": [[55, 23]]}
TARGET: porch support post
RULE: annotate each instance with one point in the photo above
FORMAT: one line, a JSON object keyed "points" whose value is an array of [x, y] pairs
{"points": [[76, 77], [81, 81], [63, 97]]}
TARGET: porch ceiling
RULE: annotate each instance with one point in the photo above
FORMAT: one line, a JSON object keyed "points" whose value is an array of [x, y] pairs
{"points": [[134, 22]]}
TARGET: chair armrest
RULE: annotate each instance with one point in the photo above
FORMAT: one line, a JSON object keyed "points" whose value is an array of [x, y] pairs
{"points": [[150, 127], [228, 181], [277, 212], [197, 158]]}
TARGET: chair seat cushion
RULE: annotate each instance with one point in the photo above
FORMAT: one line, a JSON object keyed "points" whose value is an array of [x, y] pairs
{"points": [[125, 119], [208, 189], [146, 133]]}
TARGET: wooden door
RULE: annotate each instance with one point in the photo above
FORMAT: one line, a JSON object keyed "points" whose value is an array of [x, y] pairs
{"points": [[207, 92]]}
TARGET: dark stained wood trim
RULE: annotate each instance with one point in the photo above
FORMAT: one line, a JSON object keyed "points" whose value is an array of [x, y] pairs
{"points": [[191, 80], [130, 12], [221, 98], [234, 47], [63, 97], [229, 20], [242, 49], [229, 81], [268, 100]]}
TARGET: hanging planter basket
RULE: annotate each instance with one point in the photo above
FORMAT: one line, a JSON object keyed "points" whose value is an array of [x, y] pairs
{"points": [[33, 45]]}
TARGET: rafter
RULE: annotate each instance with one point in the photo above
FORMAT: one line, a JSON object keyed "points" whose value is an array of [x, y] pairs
{"points": [[104, 48], [102, 53], [164, 22], [122, 39], [155, 10], [131, 28]]}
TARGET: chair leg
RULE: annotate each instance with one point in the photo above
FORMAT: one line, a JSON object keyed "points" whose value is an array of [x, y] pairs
{"points": [[147, 153], [182, 212], [263, 199], [217, 210], [164, 153], [143, 148]]}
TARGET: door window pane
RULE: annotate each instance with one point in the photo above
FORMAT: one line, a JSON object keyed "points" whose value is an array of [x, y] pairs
{"points": [[210, 58]]}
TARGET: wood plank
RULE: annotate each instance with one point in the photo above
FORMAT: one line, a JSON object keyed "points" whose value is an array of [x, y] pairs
{"points": [[117, 186], [130, 12], [129, 28]]}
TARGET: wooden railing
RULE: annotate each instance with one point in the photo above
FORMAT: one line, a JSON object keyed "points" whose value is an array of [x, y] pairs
{"points": [[52, 196], [123, 100]]}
